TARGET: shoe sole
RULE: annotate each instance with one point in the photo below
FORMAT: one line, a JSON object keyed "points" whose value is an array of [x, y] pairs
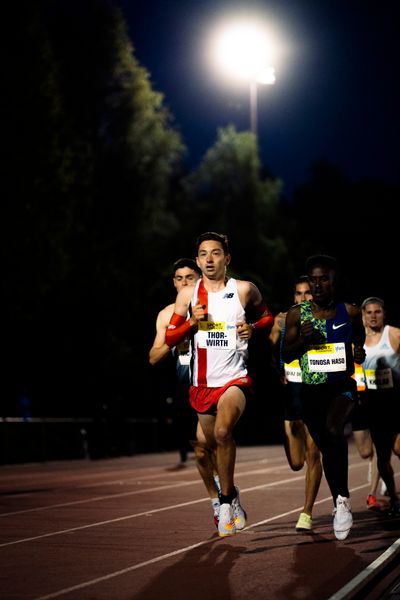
{"points": [[227, 533], [341, 535]]}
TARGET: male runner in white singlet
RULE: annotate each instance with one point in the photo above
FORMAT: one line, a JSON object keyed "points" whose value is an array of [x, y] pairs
{"points": [[219, 308]]}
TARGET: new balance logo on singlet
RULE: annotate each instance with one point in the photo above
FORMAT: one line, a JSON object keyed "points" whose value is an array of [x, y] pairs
{"points": [[230, 295]]}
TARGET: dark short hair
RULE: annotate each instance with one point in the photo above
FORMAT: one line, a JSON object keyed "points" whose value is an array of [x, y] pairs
{"points": [[301, 279], [320, 260], [212, 235], [190, 263], [373, 300]]}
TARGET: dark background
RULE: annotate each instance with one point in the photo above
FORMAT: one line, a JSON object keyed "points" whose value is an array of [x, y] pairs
{"points": [[115, 157], [335, 99]]}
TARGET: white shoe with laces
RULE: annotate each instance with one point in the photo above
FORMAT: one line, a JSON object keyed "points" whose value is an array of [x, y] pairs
{"points": [[239, 513], [343, 519], [226, 524]]}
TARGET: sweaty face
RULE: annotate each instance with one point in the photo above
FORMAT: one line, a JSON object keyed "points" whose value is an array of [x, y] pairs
{"points": [[302, 292], [185, 276], [321, 279], [212, 260], [373, 315]]}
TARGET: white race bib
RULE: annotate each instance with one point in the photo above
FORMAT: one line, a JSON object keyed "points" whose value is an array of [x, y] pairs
{"points": [[327, 358], [379, 379], [183, 352], [293, 371], [217, 335]]}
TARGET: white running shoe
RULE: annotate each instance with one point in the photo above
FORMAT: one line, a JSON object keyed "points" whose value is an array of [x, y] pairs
{"points": [[226, 524], [383, 488], [239, 513], [215, 506], [343, 519]]}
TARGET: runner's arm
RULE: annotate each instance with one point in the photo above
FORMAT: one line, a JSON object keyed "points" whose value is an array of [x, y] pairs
{"points": [[159, 350], [294, 345]]}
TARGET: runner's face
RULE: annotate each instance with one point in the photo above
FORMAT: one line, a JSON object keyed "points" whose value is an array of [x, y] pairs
{"points": [[212, 260], [373, 315], [302, 292], [184, 277], [321, 281]]}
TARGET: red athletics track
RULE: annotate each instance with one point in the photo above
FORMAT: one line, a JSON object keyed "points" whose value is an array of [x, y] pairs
{"points": [[132, 529]]}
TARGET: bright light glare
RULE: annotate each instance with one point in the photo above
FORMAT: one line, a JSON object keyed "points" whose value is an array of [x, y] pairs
{"points": [[267, 76], [243, 51]]}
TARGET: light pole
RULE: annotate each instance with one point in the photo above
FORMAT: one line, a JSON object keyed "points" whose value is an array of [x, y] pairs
{"points": [[243, 51], [253, 106], [265, 77]]}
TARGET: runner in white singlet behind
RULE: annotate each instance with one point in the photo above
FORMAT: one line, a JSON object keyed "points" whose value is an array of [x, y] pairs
{"points": [[381, 398], [186, 273]]}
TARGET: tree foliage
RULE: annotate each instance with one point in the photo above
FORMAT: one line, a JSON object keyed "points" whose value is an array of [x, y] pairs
{"points": [[229, 194], [96, 208], [91, 154]]}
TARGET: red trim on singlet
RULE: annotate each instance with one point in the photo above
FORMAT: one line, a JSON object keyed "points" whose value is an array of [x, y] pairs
{"points": [[202, 297], [204, 399]]}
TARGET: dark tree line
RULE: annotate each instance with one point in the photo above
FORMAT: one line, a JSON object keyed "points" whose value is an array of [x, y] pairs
{"points": [[97, 204]]}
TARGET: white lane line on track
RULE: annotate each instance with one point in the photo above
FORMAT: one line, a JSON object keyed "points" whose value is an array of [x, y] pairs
{"points": [[173, 507], [171, 472], [197, 481], [125, 475], [144, 513], [157, 559], [168, 486]]}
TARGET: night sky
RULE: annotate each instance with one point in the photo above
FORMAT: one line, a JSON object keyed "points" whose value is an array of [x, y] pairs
{"points": [[336, 97]]}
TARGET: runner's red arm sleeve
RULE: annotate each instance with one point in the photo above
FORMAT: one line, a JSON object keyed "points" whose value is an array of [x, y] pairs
{"points": [[177, 329], [266, 317]]}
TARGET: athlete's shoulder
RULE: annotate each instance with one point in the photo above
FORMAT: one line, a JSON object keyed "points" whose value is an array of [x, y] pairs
{"points": [[240, 283], [165, 314], [249, 293], [394, 333], [293, 312]]}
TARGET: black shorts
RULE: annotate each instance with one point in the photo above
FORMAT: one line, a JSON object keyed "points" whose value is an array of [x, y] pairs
{"points": [[293, 405], [316, 398], [359, 418]]}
